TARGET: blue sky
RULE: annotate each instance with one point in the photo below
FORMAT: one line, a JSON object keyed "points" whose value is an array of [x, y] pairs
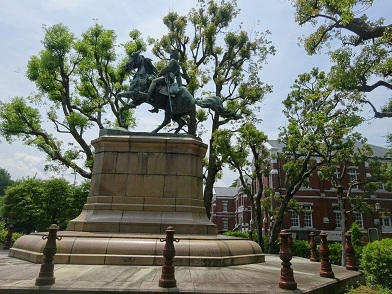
{"points": [[21, 33]]}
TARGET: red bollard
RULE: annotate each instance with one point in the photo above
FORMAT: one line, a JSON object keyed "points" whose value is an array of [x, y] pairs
{"points": [[290, 241], [313, 246], [8, 238], [326, 269], [168, 279], [350, 260], [46, 273], [286, 273]]}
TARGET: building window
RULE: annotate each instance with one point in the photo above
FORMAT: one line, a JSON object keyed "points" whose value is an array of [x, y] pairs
{"points": [[224, 208], [353, 175], [294, 218], [225, 223], [308, 221], [381, 186], [336, 174], [358, 218], [386, 222], [305, 184], [338, 216]]}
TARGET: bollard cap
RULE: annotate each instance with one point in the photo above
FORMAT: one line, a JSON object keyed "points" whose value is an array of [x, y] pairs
{"points": [[54, 227]]}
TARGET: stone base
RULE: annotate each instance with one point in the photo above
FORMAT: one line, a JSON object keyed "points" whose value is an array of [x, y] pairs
{"points": [[139, 249]]}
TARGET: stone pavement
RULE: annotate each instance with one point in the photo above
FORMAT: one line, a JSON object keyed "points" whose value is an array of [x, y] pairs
{"points": [[18, 276]]}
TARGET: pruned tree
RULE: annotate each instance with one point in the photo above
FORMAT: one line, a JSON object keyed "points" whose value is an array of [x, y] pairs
{"points": [[237, 149], [220, 61], [77, 82], [320, 125], [352, 194], [363, 60]]}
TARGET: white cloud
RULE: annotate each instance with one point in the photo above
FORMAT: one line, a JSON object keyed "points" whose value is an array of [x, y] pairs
{"points": [[22, 165]]}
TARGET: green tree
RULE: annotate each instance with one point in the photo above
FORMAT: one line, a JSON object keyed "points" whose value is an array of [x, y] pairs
{"points": [[34, 204], [357, 155], [236, 152], [20, 204], [226, 60], [5, 180], [77, 82], [320, 125], [360, 48], [363, 61]]}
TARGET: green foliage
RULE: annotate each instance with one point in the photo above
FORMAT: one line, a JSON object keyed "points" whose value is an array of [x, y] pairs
{"points": [[321, 122], [77, 82], [34, 204], [234, 149], [4, 232], [362, 59], [335, 253], [5, 180], [245, 235], [214, 51], [238, 234], [301, 248], [357, 241], [376, 262]]}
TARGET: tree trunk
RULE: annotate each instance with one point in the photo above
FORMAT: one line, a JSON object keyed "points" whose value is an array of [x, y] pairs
{"points": [[343, 224], [212, 169], [272, 243], [259, 223]]}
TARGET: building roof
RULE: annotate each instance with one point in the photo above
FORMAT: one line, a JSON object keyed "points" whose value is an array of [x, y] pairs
{"points": [[225, 191], [379, 152]]}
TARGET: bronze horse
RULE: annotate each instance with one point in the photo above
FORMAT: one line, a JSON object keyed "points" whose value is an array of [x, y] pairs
{"points": [[178, 106]]}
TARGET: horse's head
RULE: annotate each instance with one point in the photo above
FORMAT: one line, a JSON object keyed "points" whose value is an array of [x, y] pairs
{"points": [[134, 61]]}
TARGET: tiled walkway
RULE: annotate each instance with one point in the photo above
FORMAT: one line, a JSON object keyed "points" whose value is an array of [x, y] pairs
{"points": [[17, 276]]}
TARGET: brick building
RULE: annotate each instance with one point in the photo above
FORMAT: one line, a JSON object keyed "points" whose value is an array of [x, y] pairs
{"points": [[231, 210], [223, 208], [319, 202]]}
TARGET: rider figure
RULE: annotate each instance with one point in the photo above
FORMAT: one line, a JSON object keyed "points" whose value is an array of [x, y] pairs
{"points": [[171, 71]]}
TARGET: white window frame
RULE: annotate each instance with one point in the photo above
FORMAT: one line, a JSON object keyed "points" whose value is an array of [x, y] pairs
{"points": [[381, 186], [338, 216], [358, 218], [308, 215], [224, 206], [337, 172], [294, 219], [386, 222], [225, 223], [353, 175]]}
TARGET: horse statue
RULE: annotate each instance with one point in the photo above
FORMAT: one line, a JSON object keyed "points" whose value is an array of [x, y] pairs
{"points": [[176, 106]]}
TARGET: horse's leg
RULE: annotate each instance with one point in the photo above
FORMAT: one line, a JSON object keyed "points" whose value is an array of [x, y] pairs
{"points": [[192, 121], [121, 115], [178, 119], [166, 121]]}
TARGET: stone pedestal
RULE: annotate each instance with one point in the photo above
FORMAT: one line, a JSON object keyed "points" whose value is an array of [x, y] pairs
{"points": [[141, 184]]}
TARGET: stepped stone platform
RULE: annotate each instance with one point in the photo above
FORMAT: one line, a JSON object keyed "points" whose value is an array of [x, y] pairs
{"points": [[141, 184]]}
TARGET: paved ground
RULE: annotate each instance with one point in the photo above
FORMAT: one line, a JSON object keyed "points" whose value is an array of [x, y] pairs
{"points": [[17, 276]]}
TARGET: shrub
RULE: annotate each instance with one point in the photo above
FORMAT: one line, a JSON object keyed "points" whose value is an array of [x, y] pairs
{"points": [[246, 236], [237, 234], [3, 235], [301, 248], [356, 240], [335, 253], [376, 262]]}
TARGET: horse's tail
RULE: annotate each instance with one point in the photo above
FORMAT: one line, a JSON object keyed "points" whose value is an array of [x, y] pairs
{"points": [[215, 103]]}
